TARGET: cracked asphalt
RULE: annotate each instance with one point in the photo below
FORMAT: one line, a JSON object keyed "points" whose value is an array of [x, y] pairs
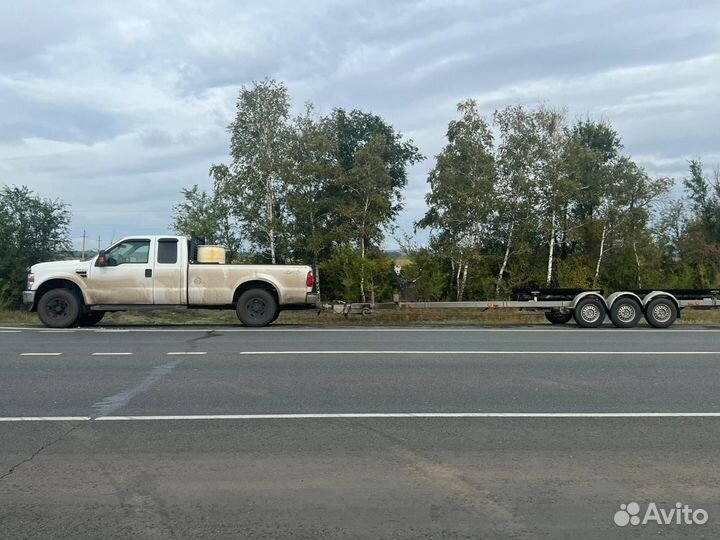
{"points": [[154, 436]]}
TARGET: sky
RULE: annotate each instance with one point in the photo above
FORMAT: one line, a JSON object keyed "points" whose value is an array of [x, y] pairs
{"points": [[116, 106]]}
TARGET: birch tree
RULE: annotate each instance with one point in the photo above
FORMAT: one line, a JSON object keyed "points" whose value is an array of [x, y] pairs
{"points": [[253, 182], [462, 199]]}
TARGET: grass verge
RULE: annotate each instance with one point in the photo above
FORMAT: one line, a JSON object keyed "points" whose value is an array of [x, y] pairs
{"points": [[406, 317]]}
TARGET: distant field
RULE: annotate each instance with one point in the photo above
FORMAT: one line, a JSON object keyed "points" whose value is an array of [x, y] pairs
{"points": [[388, 317]]}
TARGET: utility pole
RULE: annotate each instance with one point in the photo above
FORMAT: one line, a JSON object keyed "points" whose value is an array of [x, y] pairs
{"points": [[83, 249], [98, 243]]}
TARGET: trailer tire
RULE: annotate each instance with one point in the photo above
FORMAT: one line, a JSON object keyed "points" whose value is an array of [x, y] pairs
{"points": [[59, 308], [557, 317], [90, 318], [661, 313], [589, 312], [256, 307], [625, 313]]}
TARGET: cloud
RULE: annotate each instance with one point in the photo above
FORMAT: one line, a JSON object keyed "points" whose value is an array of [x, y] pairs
{"points": [[116, 107]]}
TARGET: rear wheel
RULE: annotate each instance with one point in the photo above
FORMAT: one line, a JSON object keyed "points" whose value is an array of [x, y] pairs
{"points": [[256, 307], [661, 313], [589, 313], [58, 308], [557, 317], [90, 318], [625, 313]]}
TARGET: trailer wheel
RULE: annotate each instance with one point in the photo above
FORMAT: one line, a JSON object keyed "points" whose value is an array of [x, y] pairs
{"points": [[589, 313], [91, 318], [256, 307], [661, 313], [625, 313], [558, 317], [58, 308]]}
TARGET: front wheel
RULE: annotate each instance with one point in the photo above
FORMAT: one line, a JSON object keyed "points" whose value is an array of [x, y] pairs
{"points": [[256, 307], [58, 308]]}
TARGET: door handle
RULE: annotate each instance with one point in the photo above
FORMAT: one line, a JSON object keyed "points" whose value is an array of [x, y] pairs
{"points": [[148, 272]]}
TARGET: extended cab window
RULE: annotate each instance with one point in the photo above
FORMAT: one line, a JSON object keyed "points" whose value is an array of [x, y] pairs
{"points": [[167, 251], [129, 252]]}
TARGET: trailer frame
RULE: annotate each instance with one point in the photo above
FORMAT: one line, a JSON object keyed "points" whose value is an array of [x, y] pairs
{"points": [[588, 307]]}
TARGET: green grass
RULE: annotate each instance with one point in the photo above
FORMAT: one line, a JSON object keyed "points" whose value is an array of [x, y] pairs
{"points": [[406, 317]]}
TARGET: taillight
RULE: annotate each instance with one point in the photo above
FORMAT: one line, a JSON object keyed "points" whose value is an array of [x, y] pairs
{"points": [[310, 280]]}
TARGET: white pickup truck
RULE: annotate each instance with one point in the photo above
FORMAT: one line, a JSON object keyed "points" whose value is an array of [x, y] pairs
{"points": [[158, 272]]}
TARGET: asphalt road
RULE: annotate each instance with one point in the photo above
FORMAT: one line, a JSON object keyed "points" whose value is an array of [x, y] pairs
{"points": [[290, 432]]}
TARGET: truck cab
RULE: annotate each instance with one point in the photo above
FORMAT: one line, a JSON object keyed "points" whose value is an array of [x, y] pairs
{"points": [[161, 272]]}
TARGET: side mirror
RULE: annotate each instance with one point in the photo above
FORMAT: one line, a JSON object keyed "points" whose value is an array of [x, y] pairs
{"points": [[101, 260]]}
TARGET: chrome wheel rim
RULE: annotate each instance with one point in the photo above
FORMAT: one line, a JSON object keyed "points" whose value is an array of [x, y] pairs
{"points": [[590, 313], [626, 313], [662, 313]]}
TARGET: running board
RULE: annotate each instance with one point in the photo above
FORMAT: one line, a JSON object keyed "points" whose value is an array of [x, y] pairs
{"points": [[137, 307]]}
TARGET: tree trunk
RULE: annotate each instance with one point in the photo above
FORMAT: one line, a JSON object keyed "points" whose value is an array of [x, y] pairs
{"points": [[461, 279], [362, 269], [505, 261], [452, 275], [600, 256], [637, 265], [270, 217], [551, 251]]}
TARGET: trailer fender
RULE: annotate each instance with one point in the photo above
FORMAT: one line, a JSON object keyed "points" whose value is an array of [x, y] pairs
{"points": [[661, 294], [616, 295], [586, 294]]}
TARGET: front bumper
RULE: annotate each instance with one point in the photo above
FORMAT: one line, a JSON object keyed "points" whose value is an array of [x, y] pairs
{"points": [[29, 299]]}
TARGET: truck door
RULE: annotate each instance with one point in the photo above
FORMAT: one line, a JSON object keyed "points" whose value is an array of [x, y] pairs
{"points": [[169, 275], [126, 278]]}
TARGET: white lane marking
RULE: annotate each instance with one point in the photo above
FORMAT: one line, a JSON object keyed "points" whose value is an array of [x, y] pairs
{"points": [[536, 329], [41, 354], [56, 331], [301, 416], [112, 354], [185, 353], [642, 353], [45, 419], [9, 331]]}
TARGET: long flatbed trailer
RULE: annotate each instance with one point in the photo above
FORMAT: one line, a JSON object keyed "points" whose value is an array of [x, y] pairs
{"points": [[588, 307]]}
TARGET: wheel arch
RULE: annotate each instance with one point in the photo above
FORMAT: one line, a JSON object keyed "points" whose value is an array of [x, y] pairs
{"points": [[623, 294], [256, 284], [588, 294], [661, 294], [58, 283]]}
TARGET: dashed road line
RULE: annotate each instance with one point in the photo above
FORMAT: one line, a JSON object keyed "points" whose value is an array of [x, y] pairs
{"points": [[41, 354], [112, 354], [185, 353]]}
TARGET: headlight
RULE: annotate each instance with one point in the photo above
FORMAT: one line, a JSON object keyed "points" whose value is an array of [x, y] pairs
{"points": [[30, 281]]}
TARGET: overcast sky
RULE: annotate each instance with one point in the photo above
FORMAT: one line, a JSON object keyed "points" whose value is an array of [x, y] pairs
{"points": [[115, 106]]}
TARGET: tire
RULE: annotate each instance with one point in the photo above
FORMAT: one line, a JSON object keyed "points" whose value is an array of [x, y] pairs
{"points": [[661, 313], [90, 318], [277, 314], [59, 308], [256, 307], [557, 317], [625, 313], [589, 313]]}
